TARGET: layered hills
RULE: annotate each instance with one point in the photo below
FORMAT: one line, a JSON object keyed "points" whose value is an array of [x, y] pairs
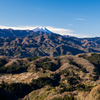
{"points": [[65, 77], [41, 65], [42, 42]]}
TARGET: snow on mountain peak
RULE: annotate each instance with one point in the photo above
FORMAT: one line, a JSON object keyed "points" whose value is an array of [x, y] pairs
{"points": [[41, 29]]}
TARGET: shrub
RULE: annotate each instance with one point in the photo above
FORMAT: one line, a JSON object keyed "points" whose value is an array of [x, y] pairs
{"points": [[77, 77], [96, 77], [33, 58], [95, 60], [72, 80], [84, 56], [80, 87], [79, 66], [13, 69], [2, 62], [66, 98], [83, 87], [22, 89], [64, 72], [47, 65]]}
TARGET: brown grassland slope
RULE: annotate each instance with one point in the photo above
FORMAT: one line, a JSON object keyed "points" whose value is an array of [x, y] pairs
{"points": [[64, 77]]}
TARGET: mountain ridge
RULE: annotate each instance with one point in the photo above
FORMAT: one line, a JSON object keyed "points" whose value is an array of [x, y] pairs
{"points": [[27, 43]]}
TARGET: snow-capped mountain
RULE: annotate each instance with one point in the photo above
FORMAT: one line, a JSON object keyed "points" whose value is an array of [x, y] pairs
{"points": [[42, 29]]}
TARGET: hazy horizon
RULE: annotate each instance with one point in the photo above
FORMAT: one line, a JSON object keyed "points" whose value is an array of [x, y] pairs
{"points": [[79, 18]]}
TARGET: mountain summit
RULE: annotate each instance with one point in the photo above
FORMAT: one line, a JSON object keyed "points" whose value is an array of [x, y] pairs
{"points": [[41, 29]]}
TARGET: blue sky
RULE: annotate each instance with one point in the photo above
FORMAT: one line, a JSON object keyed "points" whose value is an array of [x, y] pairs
{"points": [[74, 17]]}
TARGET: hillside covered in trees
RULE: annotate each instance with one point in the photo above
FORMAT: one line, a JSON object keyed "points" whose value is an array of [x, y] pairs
{"points": [[50, 78]]}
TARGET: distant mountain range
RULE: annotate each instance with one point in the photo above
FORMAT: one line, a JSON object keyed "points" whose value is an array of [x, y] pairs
{"points": [[42, 42], [22, 33]]}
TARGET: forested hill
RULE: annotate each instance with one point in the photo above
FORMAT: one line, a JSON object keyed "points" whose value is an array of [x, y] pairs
{"points": [[65, 77]]}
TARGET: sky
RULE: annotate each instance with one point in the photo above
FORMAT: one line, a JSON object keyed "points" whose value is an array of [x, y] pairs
{"points": [[80, 18]]}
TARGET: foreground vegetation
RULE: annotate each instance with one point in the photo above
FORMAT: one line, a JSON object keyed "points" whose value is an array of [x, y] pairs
{"points": [[61, 74], [66, 98], [95, 60], [22, 89]]}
